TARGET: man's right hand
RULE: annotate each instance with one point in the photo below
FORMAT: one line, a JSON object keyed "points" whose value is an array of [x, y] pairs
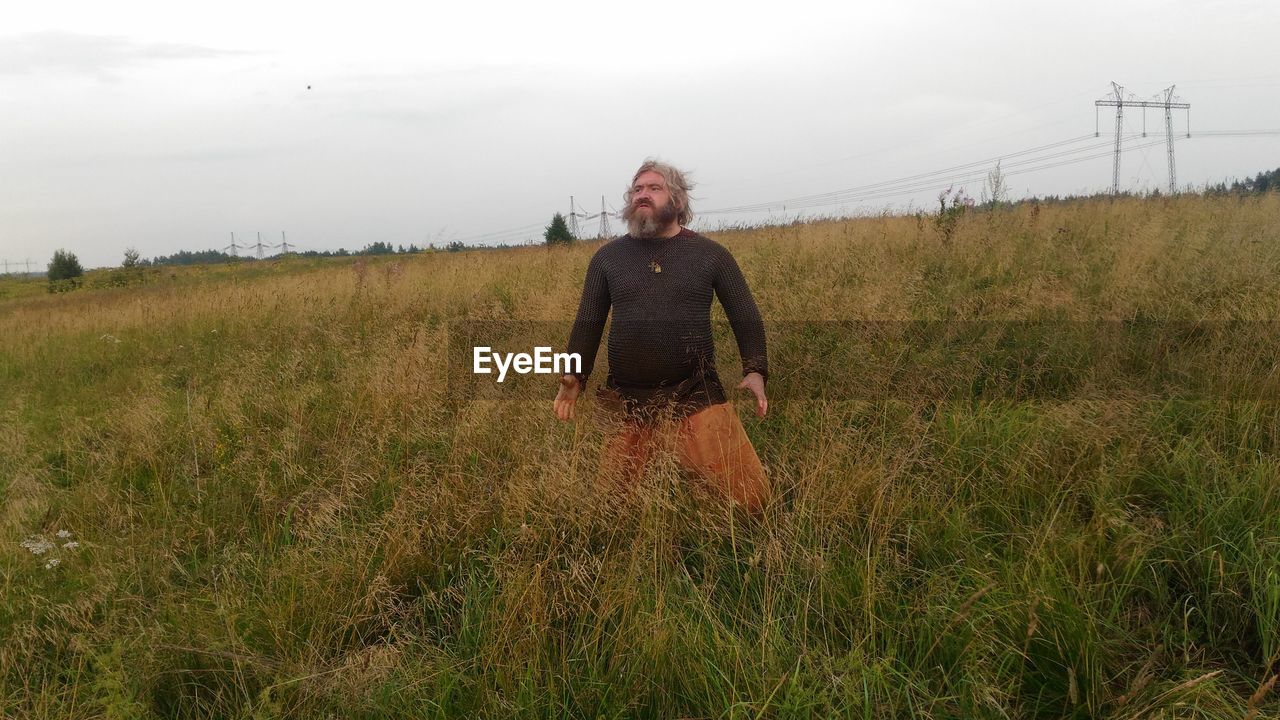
{"points": [[567, 398]]}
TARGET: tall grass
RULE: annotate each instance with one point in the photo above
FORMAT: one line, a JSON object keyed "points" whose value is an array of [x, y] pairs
{"points": [[282, 511]]}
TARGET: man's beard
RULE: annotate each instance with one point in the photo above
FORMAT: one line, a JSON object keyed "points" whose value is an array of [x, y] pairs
{"points": [[650, 225]]}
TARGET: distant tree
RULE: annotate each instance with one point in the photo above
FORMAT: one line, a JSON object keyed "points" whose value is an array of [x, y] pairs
{"points": [[378, 248], [131, 257], [455, 246], [1264, 182], [557, 233], [200, 257], [64, 266]]}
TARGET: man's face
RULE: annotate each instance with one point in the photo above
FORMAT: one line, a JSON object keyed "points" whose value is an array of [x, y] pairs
{"points": [[651, 210], [649, 190]]}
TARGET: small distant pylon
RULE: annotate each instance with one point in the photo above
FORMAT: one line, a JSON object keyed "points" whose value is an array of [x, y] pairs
{"points": [[260, 246], [573, 218], [233, 247], [605, 232]]}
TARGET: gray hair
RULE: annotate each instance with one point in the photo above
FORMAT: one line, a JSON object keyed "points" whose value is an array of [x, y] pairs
{"points": [[677, 184]]}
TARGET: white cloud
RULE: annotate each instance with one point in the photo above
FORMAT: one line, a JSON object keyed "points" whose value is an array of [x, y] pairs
{"points": [[95, 55]]}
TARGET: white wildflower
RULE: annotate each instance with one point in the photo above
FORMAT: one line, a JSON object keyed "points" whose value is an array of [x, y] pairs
{"points": [[72, 545], [53, 563], [37, 544], [64, 534]]}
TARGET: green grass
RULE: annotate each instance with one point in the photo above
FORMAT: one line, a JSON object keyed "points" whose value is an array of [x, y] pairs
{"points": [[282, 511]]}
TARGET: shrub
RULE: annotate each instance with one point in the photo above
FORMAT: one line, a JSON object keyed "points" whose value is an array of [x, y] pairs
{"points": [[64, 266]]}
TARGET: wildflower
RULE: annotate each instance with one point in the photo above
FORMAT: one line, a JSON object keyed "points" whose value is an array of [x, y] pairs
{"points": [[64, 534], [53, 563], [37, 544], [72, 545]]}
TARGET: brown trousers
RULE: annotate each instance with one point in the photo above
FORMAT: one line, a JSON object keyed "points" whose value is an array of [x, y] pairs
{"points": [[710, 443]]}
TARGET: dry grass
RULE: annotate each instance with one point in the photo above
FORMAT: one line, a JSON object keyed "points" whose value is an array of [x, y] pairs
{"points": [[283, 511]]}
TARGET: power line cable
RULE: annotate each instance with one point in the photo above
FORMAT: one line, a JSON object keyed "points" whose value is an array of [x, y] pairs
{"points": [[886, 189], [929, 178], [1233, 133], [939, 183], [484, 236], [976, 122], [909, 178], [909, 184]]}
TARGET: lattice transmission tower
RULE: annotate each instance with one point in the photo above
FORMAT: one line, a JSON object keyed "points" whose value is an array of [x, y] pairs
{"points": [[1120, 100], [233, 247], [605, 231]]}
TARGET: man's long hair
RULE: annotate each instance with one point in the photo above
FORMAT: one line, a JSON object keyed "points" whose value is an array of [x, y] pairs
{"points": [[677, 184]]}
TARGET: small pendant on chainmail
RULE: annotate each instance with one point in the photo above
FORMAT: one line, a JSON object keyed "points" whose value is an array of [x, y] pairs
{"points": [[654, 266]]}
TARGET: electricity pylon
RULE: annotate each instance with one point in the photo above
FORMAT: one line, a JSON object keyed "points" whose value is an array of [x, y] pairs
{"points": [[233, 247], [1119, 101], [605, 232], [573, 218]]}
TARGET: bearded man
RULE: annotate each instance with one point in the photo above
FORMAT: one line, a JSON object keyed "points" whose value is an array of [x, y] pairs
{"points": [[662, 387]]}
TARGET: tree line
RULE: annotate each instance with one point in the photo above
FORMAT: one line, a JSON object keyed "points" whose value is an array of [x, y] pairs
{"points": [[65, 270], [207, 257]]}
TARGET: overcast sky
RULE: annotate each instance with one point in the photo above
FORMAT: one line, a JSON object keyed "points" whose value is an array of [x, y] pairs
{"points": [[168, 126]]}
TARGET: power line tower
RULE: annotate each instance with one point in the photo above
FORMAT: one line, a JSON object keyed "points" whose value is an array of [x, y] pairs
{"points": [[26, 264], [284, 244], [605, 232], [260, 246], [1120, 100], [1119, 105], [233, 247], [1169, 106], [573, 219]]}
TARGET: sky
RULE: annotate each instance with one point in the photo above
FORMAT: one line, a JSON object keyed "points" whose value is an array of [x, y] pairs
{"points": [[169, 126]]}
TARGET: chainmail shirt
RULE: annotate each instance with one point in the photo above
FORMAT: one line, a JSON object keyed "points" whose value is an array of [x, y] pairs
{"points": [[661, 351]]}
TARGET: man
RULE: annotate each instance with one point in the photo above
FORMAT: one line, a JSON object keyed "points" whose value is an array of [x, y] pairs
{"points": [[662, 384]]}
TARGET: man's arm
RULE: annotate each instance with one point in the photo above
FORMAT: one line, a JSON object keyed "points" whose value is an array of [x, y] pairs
{"points": [[748, 327], [744, 316], [584, 338], [593, 310]]}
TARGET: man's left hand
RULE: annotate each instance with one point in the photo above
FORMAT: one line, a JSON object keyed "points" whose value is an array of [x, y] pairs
{"points": [[755, 383]]}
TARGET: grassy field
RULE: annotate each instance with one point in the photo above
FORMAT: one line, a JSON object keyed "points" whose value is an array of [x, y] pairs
{"points": [[263, 499]]}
